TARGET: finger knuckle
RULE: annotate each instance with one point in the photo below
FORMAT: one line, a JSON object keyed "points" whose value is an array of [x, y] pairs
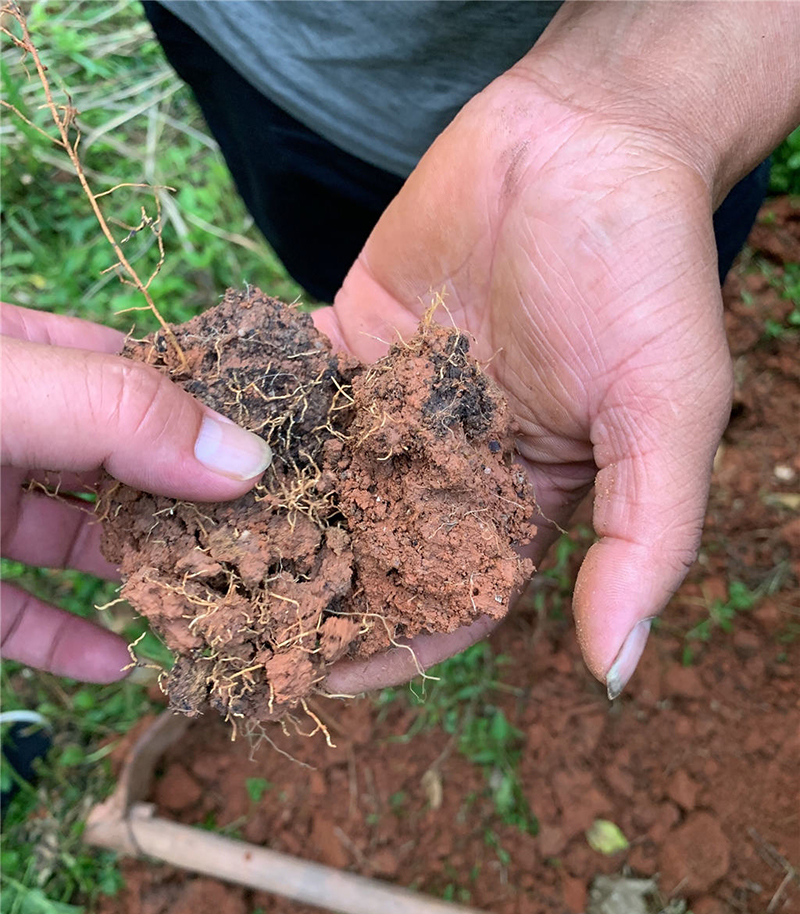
{"points": [[679, 547], [17, 604], [141, 404], [682, 558]]}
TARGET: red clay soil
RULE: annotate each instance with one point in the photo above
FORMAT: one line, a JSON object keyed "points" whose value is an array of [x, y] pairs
{"points": [[391, 507], [697, 764]]}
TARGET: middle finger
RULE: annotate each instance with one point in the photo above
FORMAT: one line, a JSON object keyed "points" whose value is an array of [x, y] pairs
{"points": [[52, 531]]}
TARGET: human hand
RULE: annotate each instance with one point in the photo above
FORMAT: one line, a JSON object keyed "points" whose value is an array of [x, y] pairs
{"points": [[571, 227], [73, 408]]}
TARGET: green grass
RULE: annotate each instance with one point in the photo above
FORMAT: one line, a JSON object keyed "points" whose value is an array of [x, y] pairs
{"points": [[460, 699], [786, 281], [141, 125], [43, 860], [784, 175], [722, 615], [556, 576], [256, 788]]}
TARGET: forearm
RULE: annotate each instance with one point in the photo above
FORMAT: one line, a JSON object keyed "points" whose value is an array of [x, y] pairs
{"points": [[720, 81]]}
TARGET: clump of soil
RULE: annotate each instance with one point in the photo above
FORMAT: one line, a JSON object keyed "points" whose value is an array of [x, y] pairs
{"points": [[391, 508]]}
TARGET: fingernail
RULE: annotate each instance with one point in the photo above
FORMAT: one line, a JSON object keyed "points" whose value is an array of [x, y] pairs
{"points": [[230, 450], [628, 657]]}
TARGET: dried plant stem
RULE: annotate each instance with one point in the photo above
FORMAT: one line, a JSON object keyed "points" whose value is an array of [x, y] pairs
{"points": [[64, 117]]}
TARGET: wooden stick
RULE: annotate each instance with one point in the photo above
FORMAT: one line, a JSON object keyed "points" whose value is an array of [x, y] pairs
{"points": [[126, 824], [141, 834]]}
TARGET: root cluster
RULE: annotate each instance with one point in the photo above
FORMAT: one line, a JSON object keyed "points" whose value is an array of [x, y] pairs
{"points": [[391, 508]]}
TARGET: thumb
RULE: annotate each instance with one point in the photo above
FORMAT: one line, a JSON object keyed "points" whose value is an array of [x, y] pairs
{"points": [[75, 410], [655, 456]]}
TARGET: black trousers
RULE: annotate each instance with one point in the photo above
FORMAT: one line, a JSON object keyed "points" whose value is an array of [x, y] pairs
{"points": [[315, 203]]}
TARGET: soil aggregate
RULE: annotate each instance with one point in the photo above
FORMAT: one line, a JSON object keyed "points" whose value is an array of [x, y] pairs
{"points": [[392, 507]]}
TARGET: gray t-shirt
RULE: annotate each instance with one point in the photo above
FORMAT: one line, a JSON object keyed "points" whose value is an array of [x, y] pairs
{"points": [[379, 79]]}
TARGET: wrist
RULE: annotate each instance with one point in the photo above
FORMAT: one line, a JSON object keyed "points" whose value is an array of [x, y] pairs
{"points": [[714, 85]]}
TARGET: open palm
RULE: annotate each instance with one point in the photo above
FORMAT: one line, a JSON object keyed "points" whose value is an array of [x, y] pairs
{"points": [[580, 255]]}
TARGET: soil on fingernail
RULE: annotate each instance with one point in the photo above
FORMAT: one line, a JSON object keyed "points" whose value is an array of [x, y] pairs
{"points": [[392, 508]]}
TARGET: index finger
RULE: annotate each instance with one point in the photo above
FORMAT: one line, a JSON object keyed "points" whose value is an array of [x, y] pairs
{"points": [[399, 664]]}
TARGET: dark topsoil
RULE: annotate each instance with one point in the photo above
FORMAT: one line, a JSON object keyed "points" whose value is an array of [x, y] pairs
{"points": [[697, 764], [391, 508]]}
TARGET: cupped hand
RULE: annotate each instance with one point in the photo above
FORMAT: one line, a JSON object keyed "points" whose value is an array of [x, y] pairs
{"points": [[70, 408], [579, 253]]}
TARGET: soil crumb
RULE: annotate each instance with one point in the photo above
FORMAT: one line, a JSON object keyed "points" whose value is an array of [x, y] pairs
{"points": [[391, 508]]}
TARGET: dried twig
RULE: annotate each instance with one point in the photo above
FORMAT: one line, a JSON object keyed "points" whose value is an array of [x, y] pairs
{"points": [[64, 119], [777, 861]]}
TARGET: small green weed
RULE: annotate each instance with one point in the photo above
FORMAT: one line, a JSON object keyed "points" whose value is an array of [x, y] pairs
{"points": [[458, 700], [789, 286], [789, 634], [556, 580], [491, 840], [21, 899], [784, 176], [786, 281], [397, 801], [775, 330], [256, 788], [231, 830], [491, 741], [456, 893], [606, 837], [721, 617]]}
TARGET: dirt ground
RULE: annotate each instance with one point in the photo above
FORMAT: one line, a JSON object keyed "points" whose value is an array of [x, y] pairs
{"points": [[697, 764]]}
